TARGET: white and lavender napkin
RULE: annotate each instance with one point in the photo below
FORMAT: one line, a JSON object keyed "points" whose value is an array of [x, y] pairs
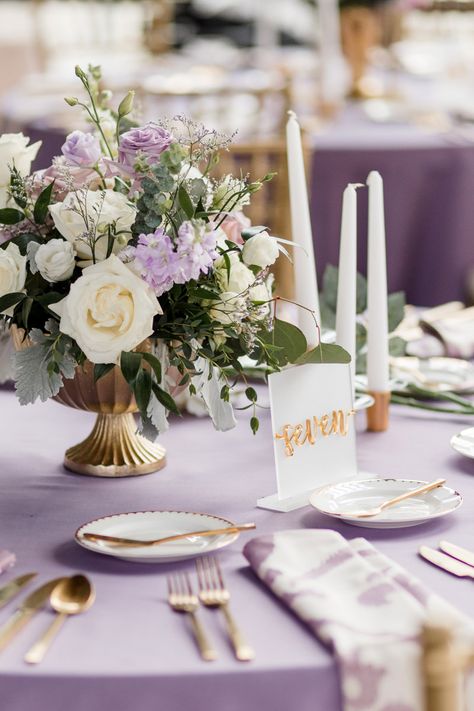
{"points": [[364, 606]]}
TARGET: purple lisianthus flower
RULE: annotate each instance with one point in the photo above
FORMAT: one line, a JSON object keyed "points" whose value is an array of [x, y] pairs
{"points": [[148, 141], [82, 149]]}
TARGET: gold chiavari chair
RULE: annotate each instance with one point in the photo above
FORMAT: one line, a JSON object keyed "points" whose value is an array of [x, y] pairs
{"points": [[270, 205]]}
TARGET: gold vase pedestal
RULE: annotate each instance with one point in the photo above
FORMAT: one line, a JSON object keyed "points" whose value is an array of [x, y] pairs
{"points": [[114, 448]]}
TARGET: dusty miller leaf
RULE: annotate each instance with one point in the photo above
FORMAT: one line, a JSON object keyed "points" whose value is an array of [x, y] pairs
{"points": [[34, 377]]}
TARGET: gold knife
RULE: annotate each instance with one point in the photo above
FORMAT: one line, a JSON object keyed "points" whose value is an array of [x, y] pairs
{"points": [[462, 554], [28, 608], [13, 587], [446, 562]]}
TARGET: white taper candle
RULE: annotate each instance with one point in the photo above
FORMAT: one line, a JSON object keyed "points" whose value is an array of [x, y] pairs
{"points": [[347, 283], [306, 284], [377, 340]]}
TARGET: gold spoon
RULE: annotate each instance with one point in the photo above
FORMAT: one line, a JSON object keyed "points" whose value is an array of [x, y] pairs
{"points": [[70, 597], [391, 502], [117, 541]]}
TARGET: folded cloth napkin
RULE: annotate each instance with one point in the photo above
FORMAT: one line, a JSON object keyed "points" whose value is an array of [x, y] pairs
{"points": [[451, 335], [364, 606], [7, 560]]}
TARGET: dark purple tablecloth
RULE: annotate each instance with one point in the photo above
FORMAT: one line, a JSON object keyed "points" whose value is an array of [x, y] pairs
{"points": [[130, 651]]}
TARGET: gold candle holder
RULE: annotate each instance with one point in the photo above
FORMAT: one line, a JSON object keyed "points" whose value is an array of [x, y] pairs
{"points": [[378, 414]]}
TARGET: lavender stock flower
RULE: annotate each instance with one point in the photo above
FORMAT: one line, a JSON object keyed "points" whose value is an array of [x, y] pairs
{"points": [[196, 247], [162, 264], [148, 141], [81, 149], [156, 260]]}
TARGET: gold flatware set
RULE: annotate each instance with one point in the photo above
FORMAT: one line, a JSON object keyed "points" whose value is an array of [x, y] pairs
{"points": [[214, 594], [66, 596]]}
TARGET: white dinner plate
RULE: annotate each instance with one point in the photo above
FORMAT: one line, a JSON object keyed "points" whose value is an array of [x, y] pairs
{"points": [[338, 500], [436, 374], [149, 525], [463, 442]]}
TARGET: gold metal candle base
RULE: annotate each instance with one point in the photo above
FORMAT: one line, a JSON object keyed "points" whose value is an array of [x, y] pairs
{"points": [[115, 449], [378, 414]]}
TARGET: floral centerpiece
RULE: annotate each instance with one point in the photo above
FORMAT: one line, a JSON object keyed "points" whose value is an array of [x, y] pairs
{"points": [[127, 254]]}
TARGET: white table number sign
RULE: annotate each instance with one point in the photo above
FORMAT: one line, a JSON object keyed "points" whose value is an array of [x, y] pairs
{"points": [[313, 429]]}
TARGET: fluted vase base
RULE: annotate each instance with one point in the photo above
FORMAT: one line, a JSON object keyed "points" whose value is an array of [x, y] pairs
{"points": [[115, 449]]}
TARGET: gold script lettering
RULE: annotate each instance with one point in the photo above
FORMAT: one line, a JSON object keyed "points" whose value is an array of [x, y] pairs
{"points": [[297, 435]]}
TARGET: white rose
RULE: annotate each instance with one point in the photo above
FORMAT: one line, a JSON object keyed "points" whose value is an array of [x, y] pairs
{"points": [[12, 272], [99, 209], [14, 151], [261, 250], [229, 309], [55, 260], [239, 277], [262, 293], [109, 309]]}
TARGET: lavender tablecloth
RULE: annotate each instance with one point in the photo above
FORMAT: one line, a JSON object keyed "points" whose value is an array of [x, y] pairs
{"points": [[129, 651]]}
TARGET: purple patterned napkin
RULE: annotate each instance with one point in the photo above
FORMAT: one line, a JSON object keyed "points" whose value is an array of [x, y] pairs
{"points": [[360, 603], [7, 560]]}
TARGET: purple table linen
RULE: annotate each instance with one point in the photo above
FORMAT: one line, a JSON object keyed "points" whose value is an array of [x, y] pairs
{"points": [[130, 651]]}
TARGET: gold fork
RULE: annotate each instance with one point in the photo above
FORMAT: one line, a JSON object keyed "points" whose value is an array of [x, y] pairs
{"points": [[182, 599], [213, 593]]}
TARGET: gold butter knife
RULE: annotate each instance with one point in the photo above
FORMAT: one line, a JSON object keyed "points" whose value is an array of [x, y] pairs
{"points": [[117, 541], [8, 591], [462, 554], [28, 608], [446, 562]]}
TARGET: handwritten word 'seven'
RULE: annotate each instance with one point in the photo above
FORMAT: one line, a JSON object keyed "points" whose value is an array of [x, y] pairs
{"points": [[308, 433]]}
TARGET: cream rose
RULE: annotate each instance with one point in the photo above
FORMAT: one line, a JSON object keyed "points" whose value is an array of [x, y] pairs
{"points": [[55, 260], [12, 272], [14, 151], [109, 309], [228, 309], [239, 277], [261, 250], [92, 212]]}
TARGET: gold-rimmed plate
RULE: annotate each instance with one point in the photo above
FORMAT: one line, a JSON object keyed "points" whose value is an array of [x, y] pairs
{"points": [[150, 525]]}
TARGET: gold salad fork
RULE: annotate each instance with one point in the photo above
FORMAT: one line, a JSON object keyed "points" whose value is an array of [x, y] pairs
{"points": [[213, 593], [182, 599]]}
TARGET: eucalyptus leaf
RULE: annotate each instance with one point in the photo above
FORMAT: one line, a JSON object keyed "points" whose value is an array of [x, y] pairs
{"points": [[10, 216], [9, 300], [165, 398], [142, 389], [396, 309], [40, 209], [290, 341], [185, 202], [325, 353], [130, 365]]}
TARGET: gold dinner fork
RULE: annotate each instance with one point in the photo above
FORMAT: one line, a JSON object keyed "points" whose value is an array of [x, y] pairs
{"points": [[213, 593], [182, 599]]}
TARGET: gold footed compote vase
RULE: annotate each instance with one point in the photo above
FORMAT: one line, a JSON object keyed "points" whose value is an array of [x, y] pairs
{"points": [[114, 448]]}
